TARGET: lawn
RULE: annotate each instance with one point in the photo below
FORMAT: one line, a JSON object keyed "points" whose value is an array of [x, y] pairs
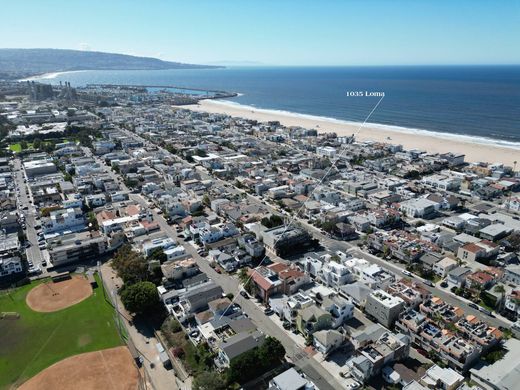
{"points": [[38, 340], [15, 148]]}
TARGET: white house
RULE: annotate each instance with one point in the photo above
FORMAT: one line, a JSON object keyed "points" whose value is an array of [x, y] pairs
{"points": [[340, 309], [444, 266], [163, 243], [64, 219], [335, 274], [11, 265], [326, 341], [418, 208], [174, 253]]}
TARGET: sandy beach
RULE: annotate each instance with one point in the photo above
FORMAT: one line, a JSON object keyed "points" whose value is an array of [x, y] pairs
{"points": [[477, 149], [48, 76]]}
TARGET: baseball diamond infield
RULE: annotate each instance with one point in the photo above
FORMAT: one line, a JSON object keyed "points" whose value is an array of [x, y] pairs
{"points": [[54, 296], [111, 369]]}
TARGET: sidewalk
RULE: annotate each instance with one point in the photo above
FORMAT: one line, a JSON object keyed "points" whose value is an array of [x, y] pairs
{"points": [[142, 338]]}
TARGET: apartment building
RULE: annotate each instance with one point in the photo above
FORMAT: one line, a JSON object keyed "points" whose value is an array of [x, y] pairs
{"points": [[74, 247], [383, 307]]}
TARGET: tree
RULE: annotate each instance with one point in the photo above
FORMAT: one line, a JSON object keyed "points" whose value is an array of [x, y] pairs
{"points": [[412, 175], [93, 222], [257, 361], [209, 380], [272, 221], [328, 226], [206, 201], [272, 349], [130, 265], [243, 276], [499, 288], [37, 143], [23, 144], [158, 254], [140, 298]]}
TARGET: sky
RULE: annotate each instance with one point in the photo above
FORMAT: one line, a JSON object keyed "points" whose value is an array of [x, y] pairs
{"points": [[274, 32]]}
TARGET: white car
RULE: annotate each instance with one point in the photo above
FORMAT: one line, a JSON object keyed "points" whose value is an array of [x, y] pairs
{"points": [[407, 273]]}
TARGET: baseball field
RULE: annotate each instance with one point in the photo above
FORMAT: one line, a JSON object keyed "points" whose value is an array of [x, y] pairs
{"points": [[53, 323]]}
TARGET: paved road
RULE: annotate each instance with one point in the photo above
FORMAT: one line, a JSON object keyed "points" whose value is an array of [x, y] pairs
{"points": [[265, 324], [143, 339], [309, 366], [336, 245], [448, 297], [33, 253]]}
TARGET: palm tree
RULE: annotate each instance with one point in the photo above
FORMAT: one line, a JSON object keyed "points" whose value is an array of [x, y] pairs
{"points": [[243, 275], [499, 288]]}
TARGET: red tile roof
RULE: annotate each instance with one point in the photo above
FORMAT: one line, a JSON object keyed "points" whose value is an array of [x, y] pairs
{"points": [[471, 247], [480, 277], [264, 283]]}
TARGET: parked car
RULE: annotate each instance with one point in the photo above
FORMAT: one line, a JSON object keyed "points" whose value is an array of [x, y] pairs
{"points": [[268, 311], [444, 284], [407, 273], [244, 294], [473, 306], [429, 283]]}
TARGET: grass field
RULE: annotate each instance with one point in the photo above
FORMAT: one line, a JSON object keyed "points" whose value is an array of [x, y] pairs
{"points": [[15, 148], [38, 340]]}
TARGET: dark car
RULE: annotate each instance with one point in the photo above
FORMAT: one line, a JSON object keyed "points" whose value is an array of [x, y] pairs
{"points": [[244, 294], [473, 305], [268, 311], [422, 352], [444, 284]]}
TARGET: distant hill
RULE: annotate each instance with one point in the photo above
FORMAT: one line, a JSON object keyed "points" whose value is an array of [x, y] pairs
{"points": [[26, 62]]}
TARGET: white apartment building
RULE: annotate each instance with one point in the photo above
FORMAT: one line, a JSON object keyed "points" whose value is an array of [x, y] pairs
{"points": [[70, 219], [163, 243], [385, 308], [335, 275], [326, 151], [341, 309], [10, 265]]}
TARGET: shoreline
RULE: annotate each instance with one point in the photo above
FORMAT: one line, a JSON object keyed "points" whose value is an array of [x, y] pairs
{"points": [[476, 149], [49, 75]]}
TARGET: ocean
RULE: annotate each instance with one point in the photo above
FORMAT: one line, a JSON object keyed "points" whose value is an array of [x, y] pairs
{"points": [[473, 102]]}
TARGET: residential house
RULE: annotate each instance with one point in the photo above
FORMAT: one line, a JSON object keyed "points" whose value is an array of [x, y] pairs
{"points": [[383, 307], [236, 345], [266, 281], [312, 319], [457, 276], [326, 341], [444, 266], [480, 250], [339, 308], [291, 380], [10, 265]]}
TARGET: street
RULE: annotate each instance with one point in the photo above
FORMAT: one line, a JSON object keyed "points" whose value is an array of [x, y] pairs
{"points": [[141, 335], [33, 252]]}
